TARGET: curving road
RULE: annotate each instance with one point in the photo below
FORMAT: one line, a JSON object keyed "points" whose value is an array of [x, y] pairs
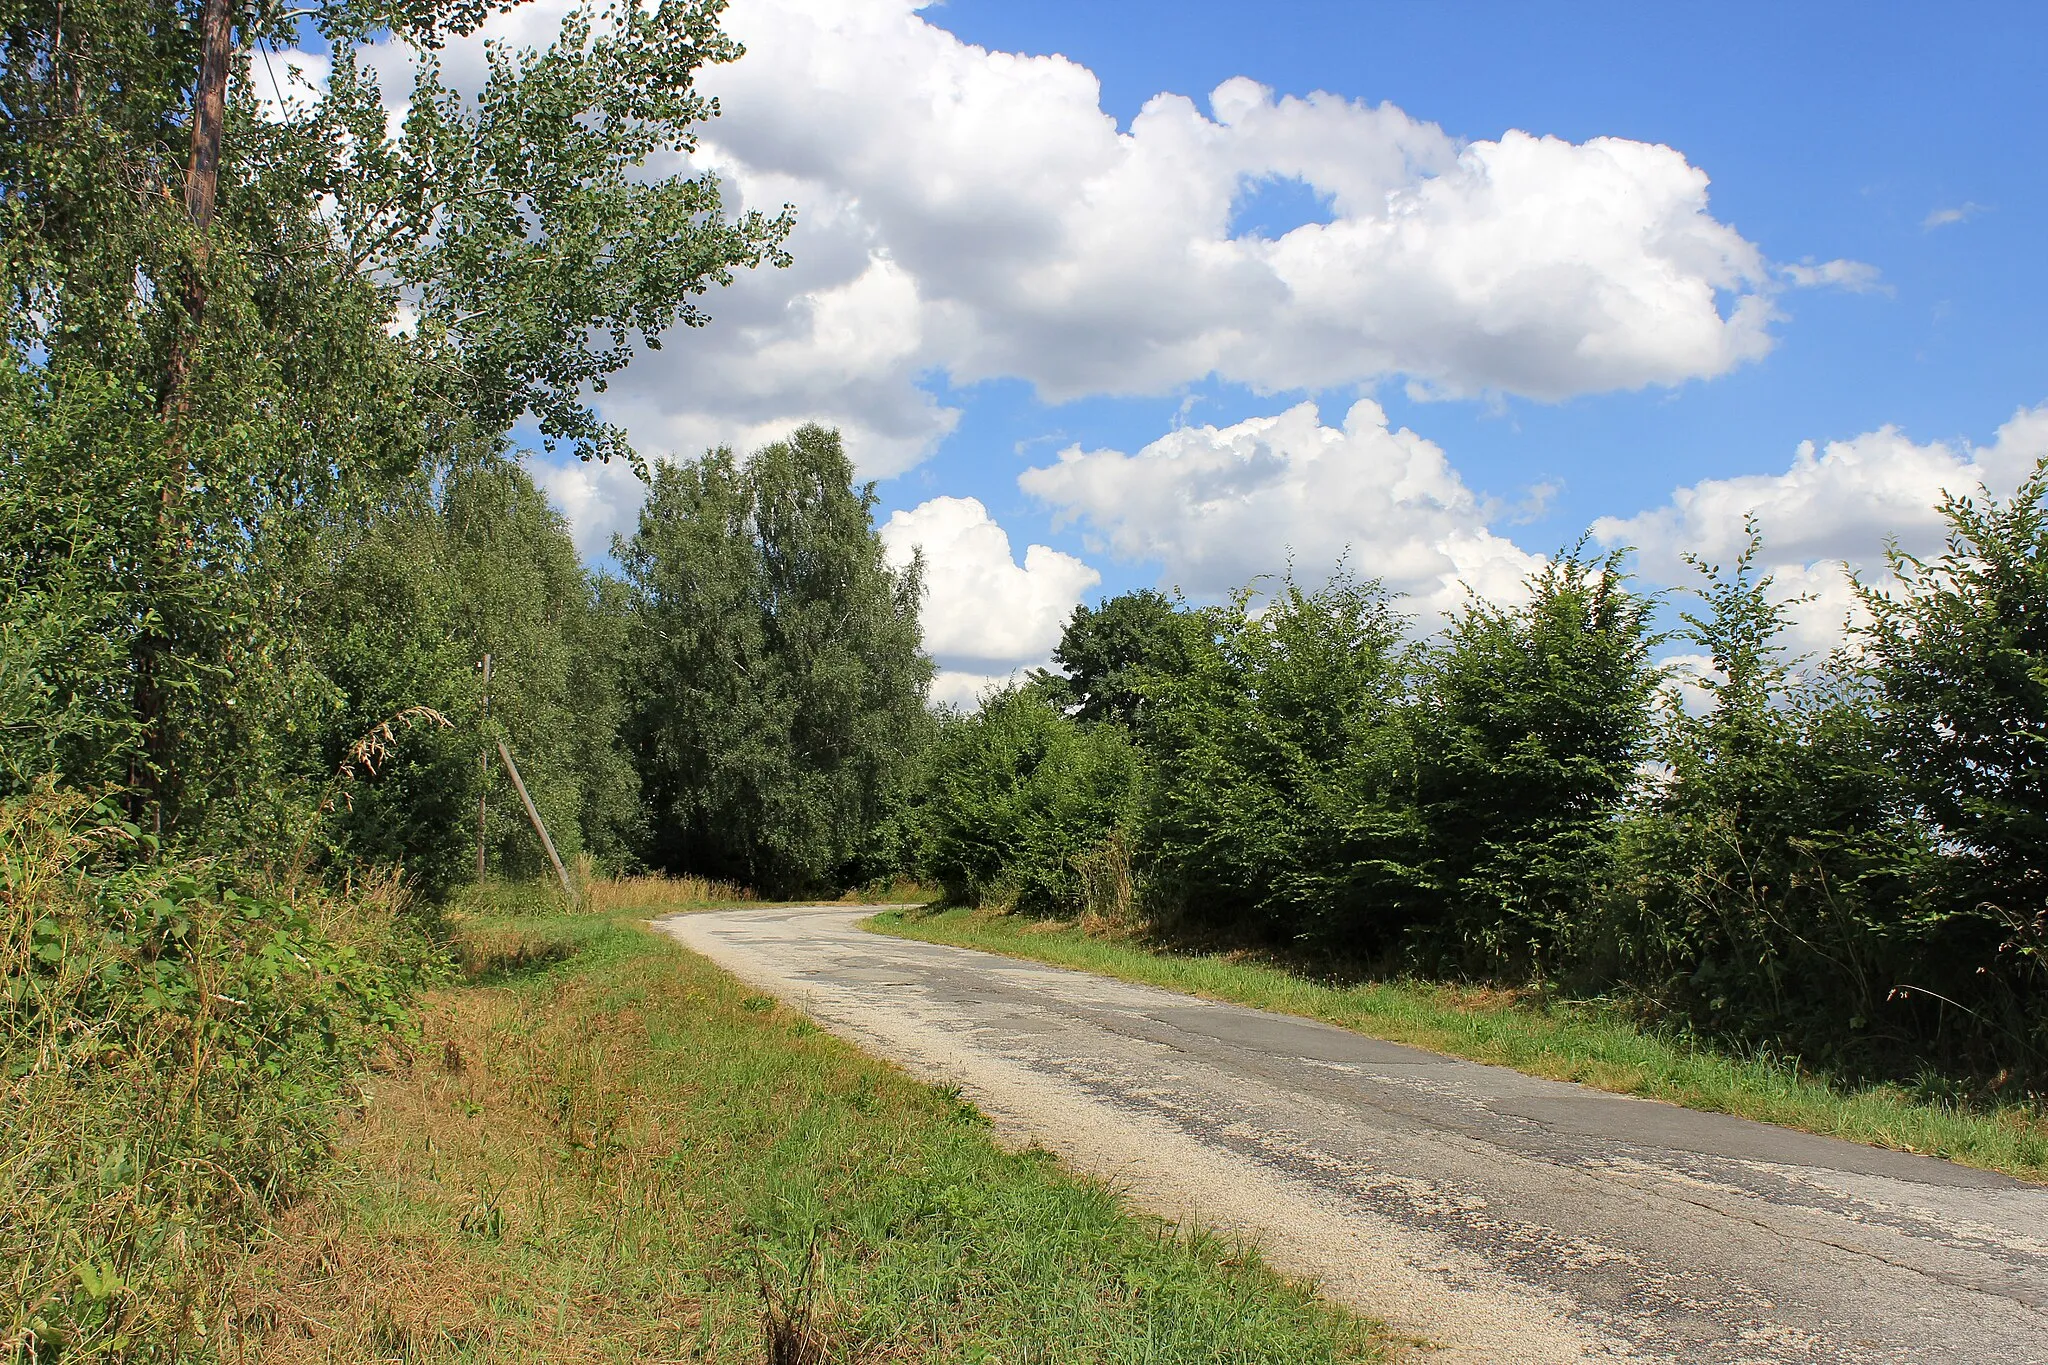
{"points": [[1505, 1218]]}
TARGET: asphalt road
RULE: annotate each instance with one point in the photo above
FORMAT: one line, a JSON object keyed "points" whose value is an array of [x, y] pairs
{"points": [[1505, 1218]]}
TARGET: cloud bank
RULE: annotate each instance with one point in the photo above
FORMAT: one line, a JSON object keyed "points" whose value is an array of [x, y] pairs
{"points": [[1216, 506], [976, 214], [1831, 511]]}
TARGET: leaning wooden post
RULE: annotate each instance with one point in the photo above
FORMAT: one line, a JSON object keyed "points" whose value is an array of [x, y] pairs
{"points": [[483, 776], [538, 828]]}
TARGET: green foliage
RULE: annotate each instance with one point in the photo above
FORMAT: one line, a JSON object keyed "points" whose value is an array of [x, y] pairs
{"points": [[1844, 859], [554, 636], [1280, 806], [206, 449], [775, 679], [1023, 806], [1762, 882], [1532, 720], [522, 221], [61, 630], [174, 1043], [1837, 860], [405, 616], [257, 530], [189, 418], [1107, 652], [1958, 659]]}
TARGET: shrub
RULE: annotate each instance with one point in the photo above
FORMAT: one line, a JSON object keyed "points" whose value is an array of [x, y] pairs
{"points": [[1280, 807], [1531, 722], [172, 1049], [1019, 804]]}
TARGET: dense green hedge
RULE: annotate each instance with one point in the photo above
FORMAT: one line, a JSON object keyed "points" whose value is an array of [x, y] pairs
{"points": [[1847, 858]]}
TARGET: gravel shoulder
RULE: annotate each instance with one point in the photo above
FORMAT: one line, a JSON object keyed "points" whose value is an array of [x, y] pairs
{"points": [[1499, 1216]]}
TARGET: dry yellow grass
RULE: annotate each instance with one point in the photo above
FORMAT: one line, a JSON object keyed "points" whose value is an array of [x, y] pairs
{"points": [[502, 1132], [654, 892], [610, 895], [897, 890]]}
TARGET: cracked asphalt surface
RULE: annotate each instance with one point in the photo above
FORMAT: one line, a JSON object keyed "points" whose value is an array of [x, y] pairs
{"points": [[1501, 1217]]}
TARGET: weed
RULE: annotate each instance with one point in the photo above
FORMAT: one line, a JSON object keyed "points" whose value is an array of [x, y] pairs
{"points": [[174, 1047], [791, 1333]]}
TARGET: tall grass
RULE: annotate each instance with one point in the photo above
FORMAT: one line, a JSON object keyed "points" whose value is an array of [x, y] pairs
{"points": [[613, 895], [651, 893]]}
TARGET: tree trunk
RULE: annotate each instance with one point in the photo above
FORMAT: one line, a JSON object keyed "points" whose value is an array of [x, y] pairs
{"points": [[202, 192], [202, 181]]}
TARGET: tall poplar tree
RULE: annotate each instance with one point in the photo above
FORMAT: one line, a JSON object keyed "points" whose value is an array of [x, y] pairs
{"points": [[233, 323]]}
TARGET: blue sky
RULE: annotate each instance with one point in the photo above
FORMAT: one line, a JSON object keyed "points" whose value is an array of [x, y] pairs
{"points": [[990, 274], [1830, 131]]}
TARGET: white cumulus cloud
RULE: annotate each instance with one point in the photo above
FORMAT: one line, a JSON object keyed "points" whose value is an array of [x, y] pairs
{"points": [[1217, 506], [977, 214], [1830, 512], [981, 607], [599, 500], [1045, 243]]}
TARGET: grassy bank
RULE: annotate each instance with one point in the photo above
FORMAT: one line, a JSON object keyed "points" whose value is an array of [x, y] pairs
{"points": [[176, 1040], [1564, 1041], [602, 1148]]}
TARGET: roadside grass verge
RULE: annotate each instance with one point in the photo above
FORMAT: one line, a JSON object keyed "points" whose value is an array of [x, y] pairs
{"points": [[1587, 1042], [607, 1150], [654, 894]]}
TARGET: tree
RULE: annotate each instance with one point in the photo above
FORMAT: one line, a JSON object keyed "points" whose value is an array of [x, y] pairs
{"points": [[1020, 804], [1106, 652], [411, 605], [522, 596], [776, 676], [1278, 808], [231, 331], [522, 222], [1763, 881], [1530, 724], [1958, 655]]}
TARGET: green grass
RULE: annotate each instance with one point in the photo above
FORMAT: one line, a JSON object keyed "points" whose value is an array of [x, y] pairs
{"points": [[1573, 1041], [605, 1149]]}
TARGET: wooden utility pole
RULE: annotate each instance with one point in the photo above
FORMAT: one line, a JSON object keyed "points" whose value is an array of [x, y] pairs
{"points": [[483, 774], [568, 888]]}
